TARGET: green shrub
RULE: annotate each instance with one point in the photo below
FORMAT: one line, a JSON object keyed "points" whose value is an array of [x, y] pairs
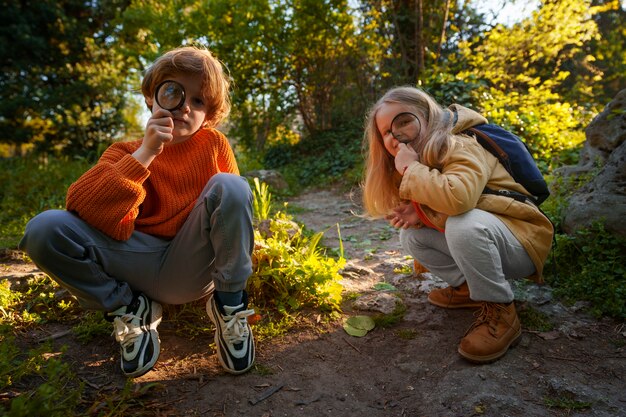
{"points": [[321, 158], [30, 186], [291, 271], [591, 266]]}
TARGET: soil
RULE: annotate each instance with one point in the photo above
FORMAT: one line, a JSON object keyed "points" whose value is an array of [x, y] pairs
{"points": [[408, 368]]}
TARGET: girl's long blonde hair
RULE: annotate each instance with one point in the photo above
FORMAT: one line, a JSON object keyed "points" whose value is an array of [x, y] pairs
{"points": [[382, 180]]}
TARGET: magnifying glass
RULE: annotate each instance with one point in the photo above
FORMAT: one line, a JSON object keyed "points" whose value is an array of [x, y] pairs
{"points": [[406, 127], [170, 95]]}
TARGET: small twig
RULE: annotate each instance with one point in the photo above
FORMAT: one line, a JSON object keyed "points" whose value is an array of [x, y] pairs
{"points": [[91, 384], [266, 394], [307, 402], [353, 347], [55, 336]]}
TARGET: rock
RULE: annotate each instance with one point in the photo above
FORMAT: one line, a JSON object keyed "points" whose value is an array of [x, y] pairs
{"points": [[382, 302], [604, 197], [269, 176]]}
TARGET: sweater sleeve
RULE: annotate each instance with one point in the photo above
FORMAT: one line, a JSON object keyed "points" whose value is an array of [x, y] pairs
{"points": [[108, 195], [456, 188], [226, 157]]}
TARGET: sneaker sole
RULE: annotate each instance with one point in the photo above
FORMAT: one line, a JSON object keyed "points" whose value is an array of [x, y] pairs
{"points": [[495, 356], [157, 315]]}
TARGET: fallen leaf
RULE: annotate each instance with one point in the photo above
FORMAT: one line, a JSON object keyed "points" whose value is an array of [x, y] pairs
{"points": [[353, 331], [361, 322]]}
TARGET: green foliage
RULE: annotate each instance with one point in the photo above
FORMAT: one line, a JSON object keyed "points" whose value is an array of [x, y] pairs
{"points": [[591, 266], [388, 320], [290, 270], [535, 320], [91, 326], [525, 70], [262, 201], [320, 158], [58, 394], [32, 185], [63, 86], [37, 302]]}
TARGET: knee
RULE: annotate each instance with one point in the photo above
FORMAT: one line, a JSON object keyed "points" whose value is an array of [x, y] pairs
{"points": [[464, 230], [41, 231], [412, 240], [232, 190]]}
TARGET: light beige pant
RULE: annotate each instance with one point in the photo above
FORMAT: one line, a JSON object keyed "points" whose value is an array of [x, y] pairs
{"points": [[476, 247]]}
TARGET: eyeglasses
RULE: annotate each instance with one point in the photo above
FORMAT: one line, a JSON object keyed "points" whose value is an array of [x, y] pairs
{"points": [[406, 127]]}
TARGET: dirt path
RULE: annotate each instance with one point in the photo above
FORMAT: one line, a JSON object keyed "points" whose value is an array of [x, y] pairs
{"points": [[408, 369]]}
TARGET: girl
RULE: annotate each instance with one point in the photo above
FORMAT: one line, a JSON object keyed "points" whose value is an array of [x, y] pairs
{"points": [[427, 178]]}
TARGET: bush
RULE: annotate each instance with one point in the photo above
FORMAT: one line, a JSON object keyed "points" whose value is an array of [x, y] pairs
{"points": [[591, 266], [321, 158], [290, 270], [32, 185]]}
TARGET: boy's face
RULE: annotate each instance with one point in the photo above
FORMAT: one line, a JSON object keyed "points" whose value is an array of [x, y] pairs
{"points": [[189, 118]]}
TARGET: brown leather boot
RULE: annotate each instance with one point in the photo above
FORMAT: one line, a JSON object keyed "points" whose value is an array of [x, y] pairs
{"points": [[453, 297], [496, 328]]}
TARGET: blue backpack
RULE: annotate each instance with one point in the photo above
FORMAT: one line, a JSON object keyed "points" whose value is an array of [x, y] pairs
{"points": [[515, 156]]}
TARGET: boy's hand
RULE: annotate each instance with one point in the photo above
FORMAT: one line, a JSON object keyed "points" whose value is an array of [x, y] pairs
{"points": [[406, 156], [404, 216], [159, 131]]}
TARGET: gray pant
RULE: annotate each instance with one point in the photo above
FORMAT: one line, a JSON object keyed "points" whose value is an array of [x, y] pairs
{"points": [[477, 247], [214, 245]]}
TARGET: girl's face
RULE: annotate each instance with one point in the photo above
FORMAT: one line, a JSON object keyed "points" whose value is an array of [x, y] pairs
{"points": [[189, 118], [384, 117]]}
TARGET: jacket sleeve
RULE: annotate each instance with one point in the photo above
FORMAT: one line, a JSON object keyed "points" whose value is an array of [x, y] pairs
{"points": [[456, 188], [108, 195]]}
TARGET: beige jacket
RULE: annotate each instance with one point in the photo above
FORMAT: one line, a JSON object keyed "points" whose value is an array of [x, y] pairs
{"points": [[458, 187]]}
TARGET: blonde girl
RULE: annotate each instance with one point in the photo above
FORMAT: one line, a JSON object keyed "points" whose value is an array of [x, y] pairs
{"points": [[431, 188]]}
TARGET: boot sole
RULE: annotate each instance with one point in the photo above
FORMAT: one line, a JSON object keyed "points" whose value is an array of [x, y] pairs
{"points": [[454, 306], [495, 356]]}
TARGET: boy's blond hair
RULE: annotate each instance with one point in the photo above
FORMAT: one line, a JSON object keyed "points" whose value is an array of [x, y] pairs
{"points": [[382, 181], [197, 61]]}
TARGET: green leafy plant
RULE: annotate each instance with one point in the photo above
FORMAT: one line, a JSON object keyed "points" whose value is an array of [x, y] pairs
{"points": [[58, 394], [91, 325], [591, 266], [262, 202], [291, 271]]}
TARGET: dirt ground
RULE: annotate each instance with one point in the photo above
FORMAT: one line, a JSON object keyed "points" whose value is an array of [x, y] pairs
{"points": [[410, 368]]}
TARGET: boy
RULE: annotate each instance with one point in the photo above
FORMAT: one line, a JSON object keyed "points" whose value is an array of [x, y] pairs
{"points": [[164, 219]]}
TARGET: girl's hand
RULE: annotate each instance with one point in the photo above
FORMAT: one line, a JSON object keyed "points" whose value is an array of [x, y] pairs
{"points": [[159, 131], [406, 156], [404, 216]]}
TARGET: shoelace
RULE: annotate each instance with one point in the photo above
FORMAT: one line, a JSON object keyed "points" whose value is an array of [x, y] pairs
{"points": [[489, 314], [125, 331], [236, 330]]}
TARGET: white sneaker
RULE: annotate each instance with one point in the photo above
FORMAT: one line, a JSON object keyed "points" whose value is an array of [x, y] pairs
{"points": [[134, 327], [233, 335]]}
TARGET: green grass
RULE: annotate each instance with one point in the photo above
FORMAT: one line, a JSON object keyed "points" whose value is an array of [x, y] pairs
{"points": [[30, 186]]}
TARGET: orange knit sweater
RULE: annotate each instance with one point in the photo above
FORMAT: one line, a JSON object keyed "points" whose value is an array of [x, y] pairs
{"points": [[118, 195]]}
